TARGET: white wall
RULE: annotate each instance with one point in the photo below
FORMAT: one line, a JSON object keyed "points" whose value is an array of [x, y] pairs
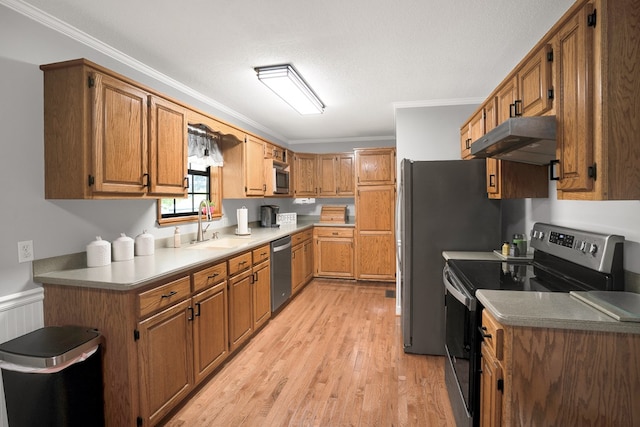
{"points": [[432, 133]]}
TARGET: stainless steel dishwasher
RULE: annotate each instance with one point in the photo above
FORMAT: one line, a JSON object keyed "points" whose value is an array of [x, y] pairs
{"points": [[280, 272]]}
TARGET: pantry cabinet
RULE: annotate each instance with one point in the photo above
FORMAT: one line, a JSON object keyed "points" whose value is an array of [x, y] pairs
{"points": [[375, 166], [109, 137], [334, 252]]}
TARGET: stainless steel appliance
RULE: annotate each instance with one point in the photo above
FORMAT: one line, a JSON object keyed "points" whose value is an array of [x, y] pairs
{"points": [[564, 260], [442, 205], [268, 215], [280, 179], [280, 272]]}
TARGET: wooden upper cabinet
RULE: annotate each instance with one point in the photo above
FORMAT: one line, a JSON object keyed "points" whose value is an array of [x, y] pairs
{"points": [[254, 166], [473, 129], [574, 134], [119, 134], [109, 137], [490, 114], [375, 166], [168, 147], [305, 170], [327, 174], [506, 96], [534, 84], [335, 176]]}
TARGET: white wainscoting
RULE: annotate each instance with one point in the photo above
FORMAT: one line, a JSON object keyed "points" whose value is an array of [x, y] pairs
{"points": [[20, 314]]}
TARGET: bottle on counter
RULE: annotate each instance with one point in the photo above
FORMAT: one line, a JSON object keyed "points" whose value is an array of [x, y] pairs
{"points": [[176, 238], [505, 249]]}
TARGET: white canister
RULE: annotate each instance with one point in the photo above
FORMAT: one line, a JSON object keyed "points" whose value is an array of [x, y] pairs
{"points": [[123, 248], [98, 253], [145, 244]]}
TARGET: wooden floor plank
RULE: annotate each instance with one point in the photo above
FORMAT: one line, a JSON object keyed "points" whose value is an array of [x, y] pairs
{"points": [[332, 357]]}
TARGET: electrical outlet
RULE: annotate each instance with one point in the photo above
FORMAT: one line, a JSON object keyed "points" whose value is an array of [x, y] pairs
{"points": [[25, 251]]}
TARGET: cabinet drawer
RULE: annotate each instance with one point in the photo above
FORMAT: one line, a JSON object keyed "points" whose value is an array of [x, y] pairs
{"points": [[493, 334], [333, 232], [163, 296], [261, 254], [209, 276], [301, 236], [239, 263]]}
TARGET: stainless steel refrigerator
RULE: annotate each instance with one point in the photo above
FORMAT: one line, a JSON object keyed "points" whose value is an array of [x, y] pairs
{"points": [[442, 205]]}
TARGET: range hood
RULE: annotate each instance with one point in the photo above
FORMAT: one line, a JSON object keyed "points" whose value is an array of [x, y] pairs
{"points": [[520, 139]]}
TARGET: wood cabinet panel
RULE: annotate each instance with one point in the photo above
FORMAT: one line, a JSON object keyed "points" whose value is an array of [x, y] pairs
{"points": [[345, 179], [574, 128], [254, 166], [261, 294], [491, 385], [327, 175], [376, 256], [209, 276], [305, 170], [375, 166], [168, 147], [210, 330], [165, 361], [506, 96], [334, 252], [240, 309], [534, 83], [375, 208], [240, 263], [302, 259], [163, 296]]}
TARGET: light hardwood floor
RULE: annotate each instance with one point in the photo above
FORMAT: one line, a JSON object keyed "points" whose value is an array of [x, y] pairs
{"points": [[332, 357]]}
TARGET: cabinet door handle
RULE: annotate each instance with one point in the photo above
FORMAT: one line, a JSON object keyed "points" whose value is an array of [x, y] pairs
{"points": [[517, 105], [197, 312], [468, 143], [335, 233], [492, 180], [552, 175], [147, 179], [169, 295], [483, 332], [213, 276], [186, 183], [190, 310]]}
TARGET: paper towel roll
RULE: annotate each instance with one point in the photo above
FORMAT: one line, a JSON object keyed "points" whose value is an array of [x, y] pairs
{"points": [[243, 221]]}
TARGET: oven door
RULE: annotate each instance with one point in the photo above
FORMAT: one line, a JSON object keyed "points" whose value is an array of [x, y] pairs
{"points": [[460, 336]]}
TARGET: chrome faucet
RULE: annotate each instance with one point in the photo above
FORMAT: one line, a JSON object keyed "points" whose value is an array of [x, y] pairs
{"points": [[203, 204]]}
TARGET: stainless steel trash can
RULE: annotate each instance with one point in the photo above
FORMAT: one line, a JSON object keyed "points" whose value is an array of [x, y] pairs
{"points": [[53, 377]]}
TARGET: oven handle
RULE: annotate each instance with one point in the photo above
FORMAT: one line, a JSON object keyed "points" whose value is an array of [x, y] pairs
{"points": [[454, 289]]}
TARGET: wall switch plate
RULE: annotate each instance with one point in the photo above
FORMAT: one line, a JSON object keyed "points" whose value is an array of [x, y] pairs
{"points": [[25, 251]]}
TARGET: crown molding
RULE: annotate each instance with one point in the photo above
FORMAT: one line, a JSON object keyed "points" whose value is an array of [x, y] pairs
{"points": [[70, 31], [438, 103], [342, 140]]}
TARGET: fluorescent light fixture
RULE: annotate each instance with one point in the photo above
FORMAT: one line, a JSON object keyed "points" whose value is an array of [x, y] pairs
{"points": [[285, 82]]}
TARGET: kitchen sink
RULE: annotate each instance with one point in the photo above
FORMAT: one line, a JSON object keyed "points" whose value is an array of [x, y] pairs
{"points": [[223, 243]]}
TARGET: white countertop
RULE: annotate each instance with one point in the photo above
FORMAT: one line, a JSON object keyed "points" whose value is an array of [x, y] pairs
{"points": [[165, 262], [549, 310], [481, 256]]}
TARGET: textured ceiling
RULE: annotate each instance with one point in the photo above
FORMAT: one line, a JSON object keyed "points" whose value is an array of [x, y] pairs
{"points": [[360, 56]]}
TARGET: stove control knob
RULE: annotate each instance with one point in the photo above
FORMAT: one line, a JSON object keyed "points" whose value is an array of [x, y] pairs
{"points": [[582, 245], [593, 249], [541, 235]]}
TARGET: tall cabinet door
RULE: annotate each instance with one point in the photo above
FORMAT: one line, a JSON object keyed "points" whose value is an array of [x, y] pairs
{"points": [[375, 207], [165, 360], [210, 336], [167, 148], [574, 136], [254, 167], [327, 175], [261, 294], [119, 136], [240, 309]]}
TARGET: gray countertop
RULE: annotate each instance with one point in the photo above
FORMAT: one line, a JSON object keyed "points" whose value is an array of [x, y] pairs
{"points": [[549, 310], [165, 262]]}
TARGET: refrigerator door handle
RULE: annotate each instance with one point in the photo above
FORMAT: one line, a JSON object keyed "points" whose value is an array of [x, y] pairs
{"points": [[455, 290], [399, 202]]}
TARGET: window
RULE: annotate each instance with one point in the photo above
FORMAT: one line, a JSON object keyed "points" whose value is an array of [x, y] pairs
{"points": [[204, 184]]}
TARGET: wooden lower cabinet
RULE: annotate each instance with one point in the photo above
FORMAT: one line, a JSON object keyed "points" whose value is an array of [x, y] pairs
{"points": [[249, 294], [559, 377], [165, 360], [302, 259], [334, 252]]}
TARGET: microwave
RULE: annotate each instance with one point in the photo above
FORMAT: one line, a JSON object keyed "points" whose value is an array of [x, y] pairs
{"points": [[280, 180]]}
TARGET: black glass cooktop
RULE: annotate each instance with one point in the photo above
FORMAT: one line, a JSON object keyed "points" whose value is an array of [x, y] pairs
{"points": [[514, 276]]}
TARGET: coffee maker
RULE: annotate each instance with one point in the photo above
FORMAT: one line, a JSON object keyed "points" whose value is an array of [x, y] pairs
{"points": [[268, 215]]}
